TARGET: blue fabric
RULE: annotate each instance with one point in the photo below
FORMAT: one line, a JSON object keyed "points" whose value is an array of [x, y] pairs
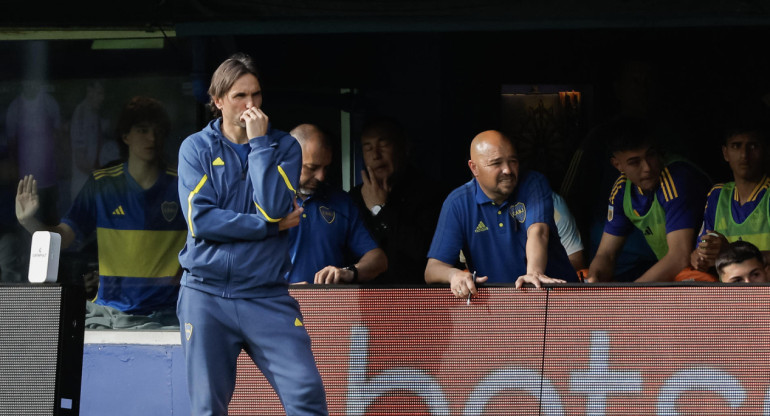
{"points": [[330, 233], [233, 245], [493, 238], [681, 194], [270, 330], [111, 199]]}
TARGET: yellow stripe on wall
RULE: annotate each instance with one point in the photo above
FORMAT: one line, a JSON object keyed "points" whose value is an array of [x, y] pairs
{"points": [[139, 253]]}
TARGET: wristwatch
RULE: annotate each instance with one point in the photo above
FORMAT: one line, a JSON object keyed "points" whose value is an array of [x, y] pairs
{"points": [[376, 209], [353, 269]]}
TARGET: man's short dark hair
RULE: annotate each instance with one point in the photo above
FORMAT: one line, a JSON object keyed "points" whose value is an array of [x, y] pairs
{"points": [[227, 73], [142, 110], [738, 252], [629, 133]]}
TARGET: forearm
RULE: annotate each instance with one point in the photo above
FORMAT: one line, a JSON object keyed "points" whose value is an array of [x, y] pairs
{"points": [[372, 264], [537, 248], [275, 181], [666, 268], [602, 268], [67, 234], [439, 272]]}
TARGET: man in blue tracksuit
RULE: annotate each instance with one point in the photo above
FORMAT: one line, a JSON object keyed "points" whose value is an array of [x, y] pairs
{"points": [[237, 181]]}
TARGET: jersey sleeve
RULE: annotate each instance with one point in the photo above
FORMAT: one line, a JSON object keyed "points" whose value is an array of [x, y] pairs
{"points": [[617, 222], [538, 199], [274, 168], [359, 240], [682, 194], [205, 219], [448, 239], [710, 212], [566, 226], [81, 216]]}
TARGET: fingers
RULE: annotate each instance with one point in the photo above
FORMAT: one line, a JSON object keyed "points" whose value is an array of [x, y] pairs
{"points": [[372, 178], [328, 275], [365, 178], [537, 280]]}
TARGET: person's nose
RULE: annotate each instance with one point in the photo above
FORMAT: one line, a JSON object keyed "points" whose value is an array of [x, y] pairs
{"points": [[320, 175]]}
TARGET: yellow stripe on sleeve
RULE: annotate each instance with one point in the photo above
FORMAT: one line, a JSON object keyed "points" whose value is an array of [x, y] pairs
{"points": [[189, 203], [285, 179], [265, 214]]}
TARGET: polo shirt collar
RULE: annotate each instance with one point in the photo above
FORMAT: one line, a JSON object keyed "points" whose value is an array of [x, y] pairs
{"points": [[482, 198]]}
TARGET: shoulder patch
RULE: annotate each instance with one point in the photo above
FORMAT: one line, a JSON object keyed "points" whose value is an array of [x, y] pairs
{"points": [[610, 213], [218, 162]]}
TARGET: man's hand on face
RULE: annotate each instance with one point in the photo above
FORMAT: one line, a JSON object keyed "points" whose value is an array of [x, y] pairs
{"points": [[27, 200], [256, 122], [373, 191]]}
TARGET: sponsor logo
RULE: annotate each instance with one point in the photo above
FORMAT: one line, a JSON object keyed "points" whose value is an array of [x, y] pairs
{"points": [[188, 330], [218, 162], [481, 227], [119, 211], [297, 322], [610, 213]]}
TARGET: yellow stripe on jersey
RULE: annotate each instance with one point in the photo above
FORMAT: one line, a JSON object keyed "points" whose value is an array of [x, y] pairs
{"points": [[116, 170], [286, 179], [667, 183], [757, 189], [616, 187], [171, 171], [139, 253], [189, 203]]}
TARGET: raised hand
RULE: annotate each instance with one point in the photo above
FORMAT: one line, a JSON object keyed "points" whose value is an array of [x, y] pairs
{"points": [[27, 200]]}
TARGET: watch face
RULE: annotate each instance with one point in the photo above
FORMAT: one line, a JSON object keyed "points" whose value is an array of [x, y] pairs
{"points": [[376, 209]]}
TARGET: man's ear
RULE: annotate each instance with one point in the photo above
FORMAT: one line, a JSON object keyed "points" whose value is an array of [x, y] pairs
{"points": [[218, 102], [616, 164], [724, 152], [473, 167]]}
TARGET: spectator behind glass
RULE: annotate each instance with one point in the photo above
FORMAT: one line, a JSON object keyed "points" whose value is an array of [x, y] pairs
{"points": [[399, 206], [331, 243], [134, 209], [660, 196], [741, 262], [503, 222], [32, 127], [737, 210]]}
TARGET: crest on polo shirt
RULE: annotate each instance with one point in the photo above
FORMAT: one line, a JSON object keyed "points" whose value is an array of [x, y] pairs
{"points": [[518, 212], [328, 214], [169, 210], [610, 213]]}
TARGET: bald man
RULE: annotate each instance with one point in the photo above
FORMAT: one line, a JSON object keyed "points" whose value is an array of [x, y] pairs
{"points": [[331, 243], [502, 220]]}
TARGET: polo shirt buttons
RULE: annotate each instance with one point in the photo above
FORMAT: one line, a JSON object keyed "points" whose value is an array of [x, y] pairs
{"points": [[501, 224], [304, 215]]}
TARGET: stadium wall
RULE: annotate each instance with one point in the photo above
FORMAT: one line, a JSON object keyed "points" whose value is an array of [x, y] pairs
{"points": [[699, 349]]}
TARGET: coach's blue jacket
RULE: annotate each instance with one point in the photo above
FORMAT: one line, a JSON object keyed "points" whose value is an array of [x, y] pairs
{"points": [[233, 246]]}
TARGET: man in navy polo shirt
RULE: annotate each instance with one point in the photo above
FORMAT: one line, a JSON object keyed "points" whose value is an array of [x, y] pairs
{"points": [[331, 244], [502, 220]]}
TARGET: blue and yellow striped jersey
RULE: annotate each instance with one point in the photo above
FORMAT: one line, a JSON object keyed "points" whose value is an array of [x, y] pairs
{"points": [[139, 235]]}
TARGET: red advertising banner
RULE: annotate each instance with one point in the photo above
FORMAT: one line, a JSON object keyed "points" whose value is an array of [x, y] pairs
{"points": [[562, 351]]}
